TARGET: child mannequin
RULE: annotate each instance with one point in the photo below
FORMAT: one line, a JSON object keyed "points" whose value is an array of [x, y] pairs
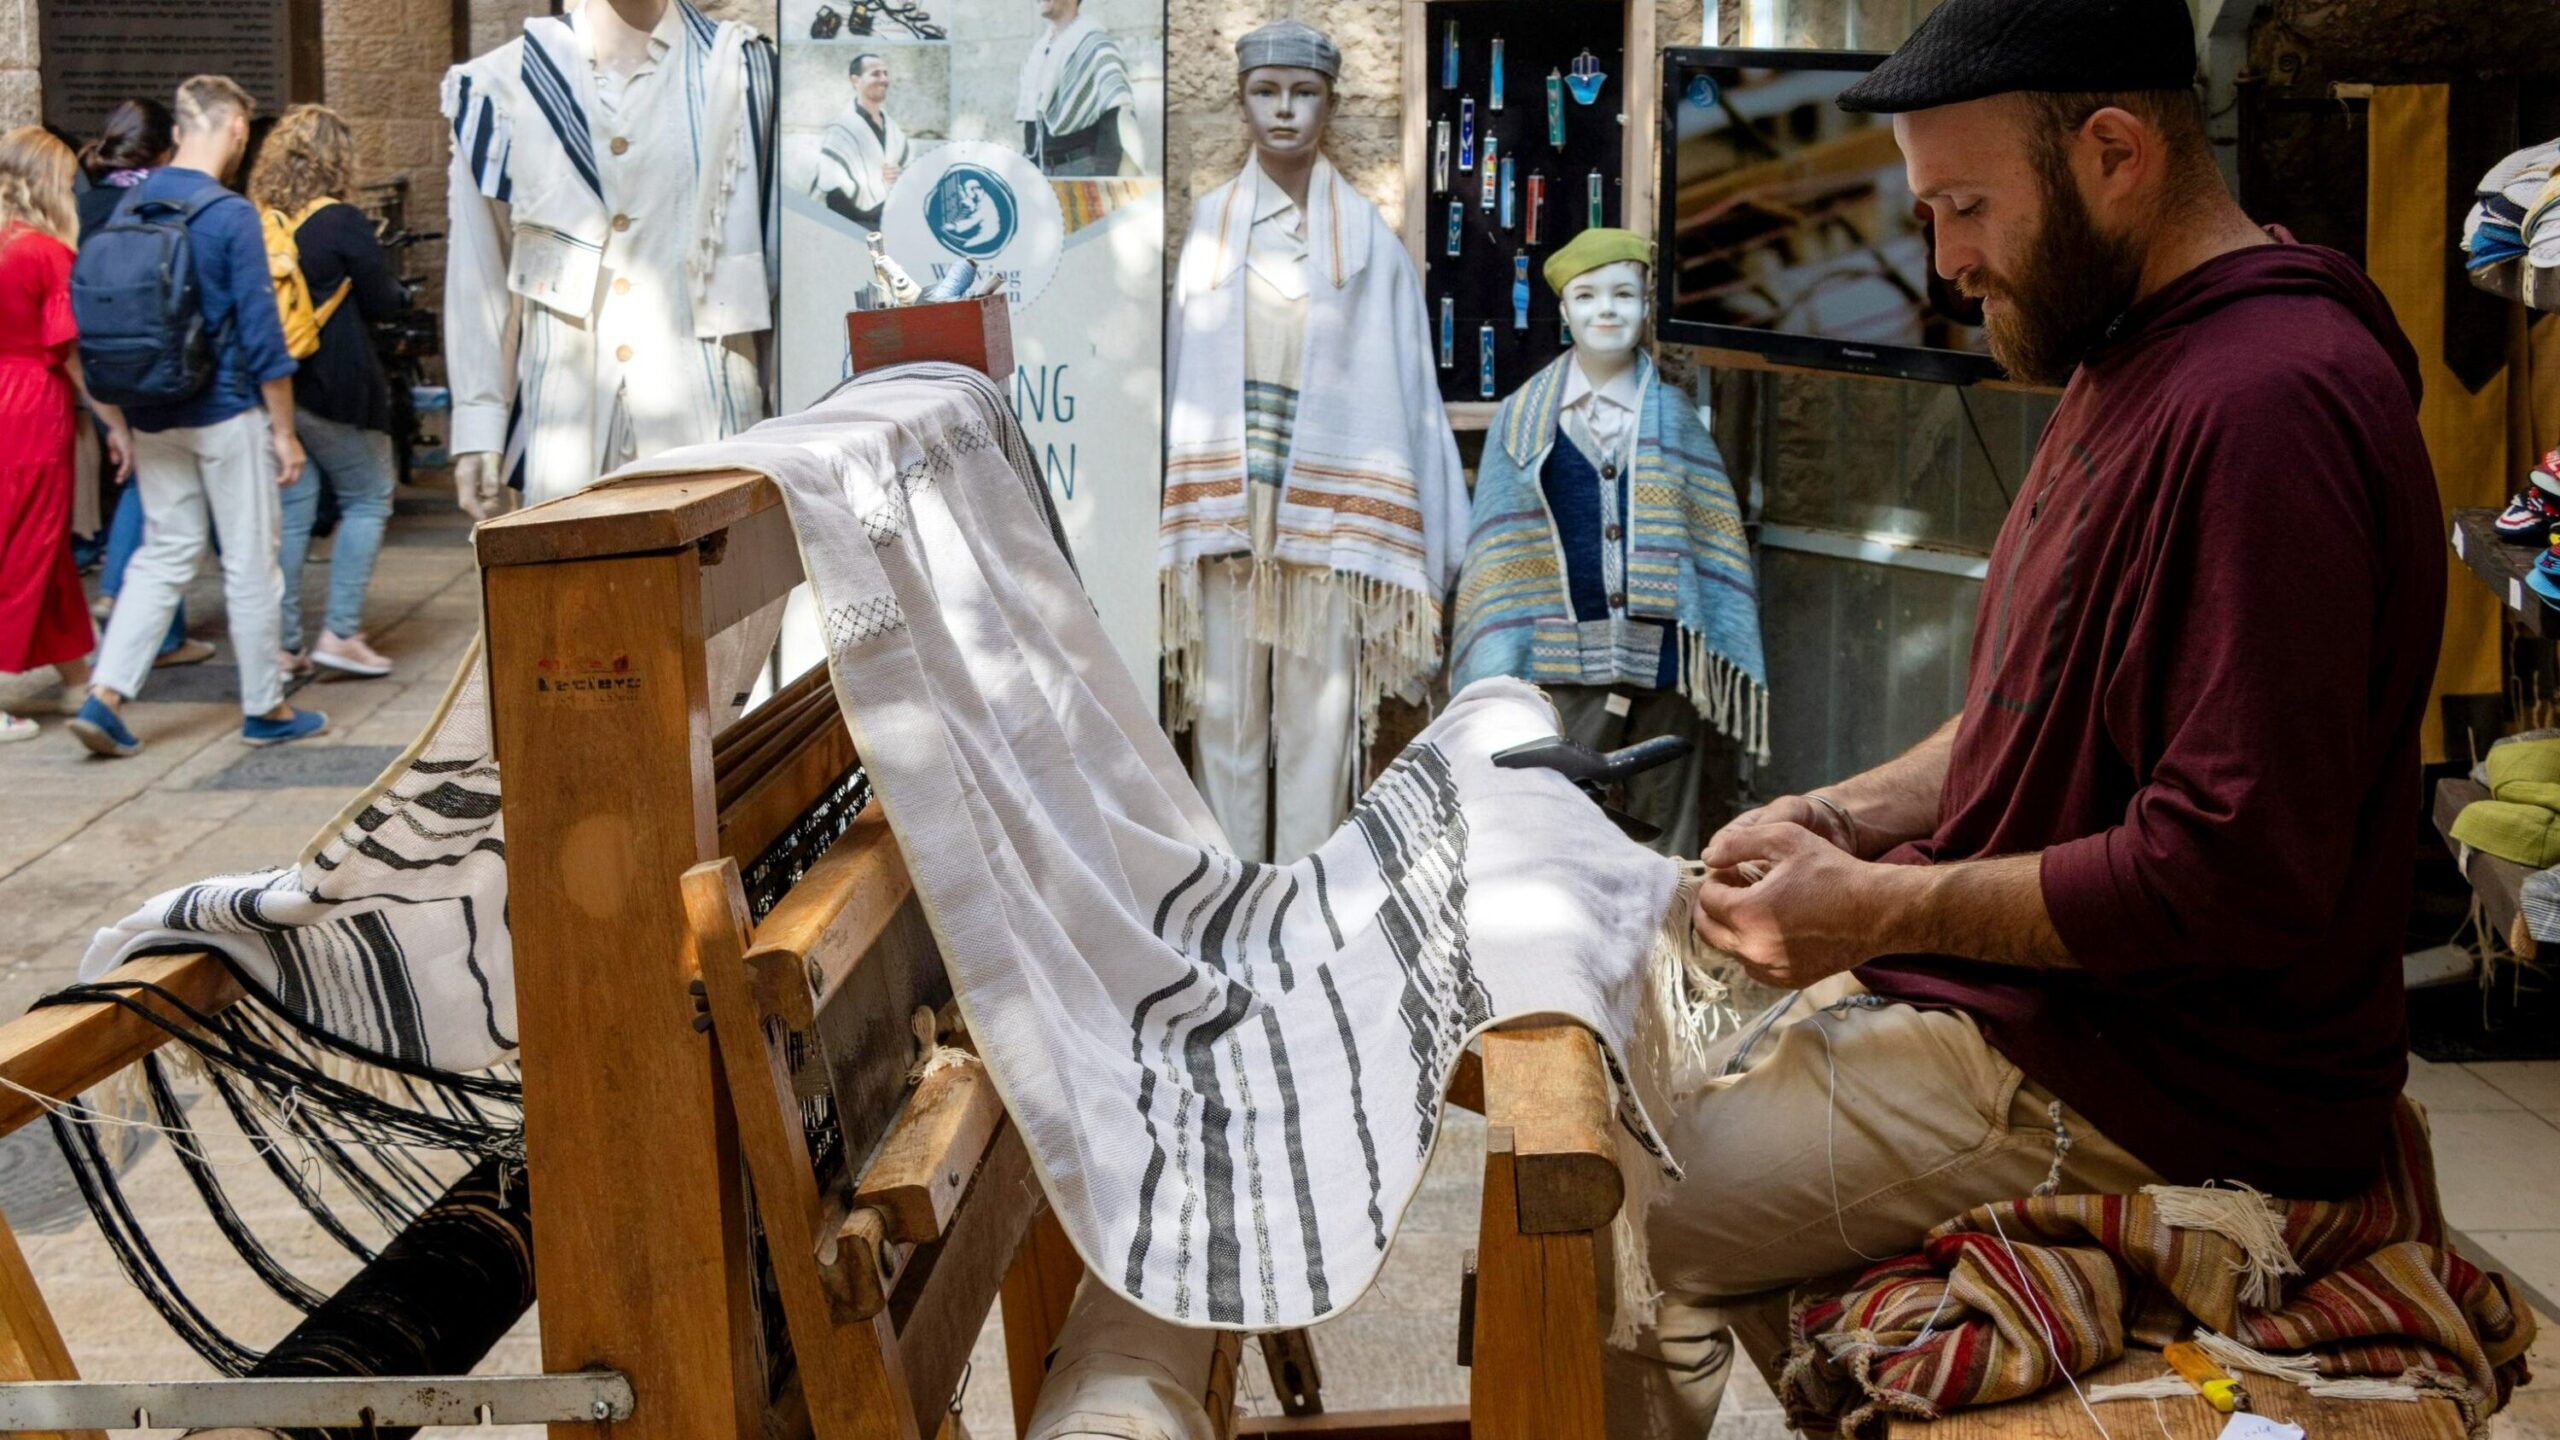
{"points": [[1606, 561]]}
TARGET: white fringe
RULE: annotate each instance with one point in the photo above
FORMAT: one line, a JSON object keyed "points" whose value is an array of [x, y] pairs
{"points": [[1639, 1299], [1726, 695], [1685, 1008], [2368, 1387], [2304, 1371], [1291, 607], [2242, 1216], [2159, 1387], [2236, 1357]]}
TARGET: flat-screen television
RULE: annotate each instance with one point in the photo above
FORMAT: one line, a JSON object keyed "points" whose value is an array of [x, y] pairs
{"points": [[1788, 227]]}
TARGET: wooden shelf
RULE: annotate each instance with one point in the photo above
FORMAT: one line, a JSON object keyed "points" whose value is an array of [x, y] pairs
{"points": [[2500, 883], [2502, 567], [2536, 287]]}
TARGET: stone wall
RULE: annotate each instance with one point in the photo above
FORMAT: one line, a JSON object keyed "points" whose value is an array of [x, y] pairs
{"points": [[1204, 135], [382, 61], [21, 101]]}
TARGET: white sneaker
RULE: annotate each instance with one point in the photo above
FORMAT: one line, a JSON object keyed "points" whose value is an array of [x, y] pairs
{"points": [[349, 655]]}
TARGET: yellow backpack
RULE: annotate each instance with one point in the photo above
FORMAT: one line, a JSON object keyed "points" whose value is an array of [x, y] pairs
{"points": [[302, 320]]}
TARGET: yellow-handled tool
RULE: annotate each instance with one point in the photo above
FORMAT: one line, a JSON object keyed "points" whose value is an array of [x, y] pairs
{"points": [[2219, 1390]]}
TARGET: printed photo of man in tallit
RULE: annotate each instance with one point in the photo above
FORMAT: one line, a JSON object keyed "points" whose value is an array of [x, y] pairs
{"points": [[1078, 113], [862, 151]]}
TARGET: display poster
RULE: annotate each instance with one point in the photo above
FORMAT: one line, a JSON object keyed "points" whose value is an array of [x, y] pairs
{"points": [[1024, 137], [97, 52]]}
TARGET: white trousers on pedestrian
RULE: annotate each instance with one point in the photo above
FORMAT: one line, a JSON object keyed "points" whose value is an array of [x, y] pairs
{"points": [[1275, 749], [225, 473]]}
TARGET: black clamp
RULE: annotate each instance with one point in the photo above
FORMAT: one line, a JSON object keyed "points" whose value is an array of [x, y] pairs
{"points": [[1598, 773]]}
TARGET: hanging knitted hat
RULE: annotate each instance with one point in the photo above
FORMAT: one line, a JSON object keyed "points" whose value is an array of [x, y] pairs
{"points": [[1592, 249]]}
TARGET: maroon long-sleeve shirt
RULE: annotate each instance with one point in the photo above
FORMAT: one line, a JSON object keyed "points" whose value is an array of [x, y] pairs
{"points": [[2203, 650]]}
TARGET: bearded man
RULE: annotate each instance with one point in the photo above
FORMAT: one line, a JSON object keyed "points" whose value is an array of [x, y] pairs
{"points": [[2133, 915]]}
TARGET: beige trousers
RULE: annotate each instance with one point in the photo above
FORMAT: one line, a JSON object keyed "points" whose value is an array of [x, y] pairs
{"points": [[1841, 1131]]}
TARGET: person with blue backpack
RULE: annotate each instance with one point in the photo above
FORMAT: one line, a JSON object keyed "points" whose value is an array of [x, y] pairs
{"points": [[178, 325]]}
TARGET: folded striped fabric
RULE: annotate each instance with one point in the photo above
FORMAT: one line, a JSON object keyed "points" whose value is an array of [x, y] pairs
{"points": [[2002, 1300]]}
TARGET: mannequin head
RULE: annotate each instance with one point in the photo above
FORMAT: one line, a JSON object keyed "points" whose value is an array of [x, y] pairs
{"points": [[1605, 309], [1284, 79], [1603, 281], [1285, 111], [870, 77]]}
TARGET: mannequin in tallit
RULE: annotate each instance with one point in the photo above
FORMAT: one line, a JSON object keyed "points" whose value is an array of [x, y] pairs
{"points": [[608, 280], [1314, 507], [1606, 561]]}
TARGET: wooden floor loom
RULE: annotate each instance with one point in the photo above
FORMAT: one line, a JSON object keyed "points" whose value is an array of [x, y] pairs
{"points": [[698, 1029]]}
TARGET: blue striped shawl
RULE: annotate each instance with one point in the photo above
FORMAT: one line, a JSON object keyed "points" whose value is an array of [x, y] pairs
{"points": [[1687, 561]]}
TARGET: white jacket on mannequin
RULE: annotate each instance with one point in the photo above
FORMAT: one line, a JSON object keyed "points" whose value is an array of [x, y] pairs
{"points": [[609, 264]]}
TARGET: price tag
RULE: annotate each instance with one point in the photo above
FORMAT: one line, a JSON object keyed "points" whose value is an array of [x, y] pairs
{"points": [[2515, 593]]}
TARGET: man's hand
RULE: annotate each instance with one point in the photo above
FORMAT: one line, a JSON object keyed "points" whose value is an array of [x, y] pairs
{"points": [[1789, 904], [288, 447], [119, 447], [1812, 815], [889, 172]]}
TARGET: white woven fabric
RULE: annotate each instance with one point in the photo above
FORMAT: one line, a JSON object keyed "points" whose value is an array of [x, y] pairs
{"points": [[1229, 1074], [390, 934]]}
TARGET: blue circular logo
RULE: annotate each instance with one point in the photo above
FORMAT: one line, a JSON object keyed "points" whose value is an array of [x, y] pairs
{"points": [[1702, 91], [972, 211]]}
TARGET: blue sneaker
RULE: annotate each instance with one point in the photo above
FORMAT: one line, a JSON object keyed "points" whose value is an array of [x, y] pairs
{"points": [[102, 731], [299, 725], [2543, 579]]}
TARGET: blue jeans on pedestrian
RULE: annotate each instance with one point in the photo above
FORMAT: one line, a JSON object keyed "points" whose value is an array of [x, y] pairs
{"points": [[355, 464], [124, 536]]}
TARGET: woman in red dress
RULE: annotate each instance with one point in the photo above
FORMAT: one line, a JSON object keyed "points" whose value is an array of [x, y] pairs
{"points": [[44, 620]]}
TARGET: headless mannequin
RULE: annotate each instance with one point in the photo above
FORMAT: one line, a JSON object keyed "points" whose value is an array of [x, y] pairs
{"points": [[622, 30]]}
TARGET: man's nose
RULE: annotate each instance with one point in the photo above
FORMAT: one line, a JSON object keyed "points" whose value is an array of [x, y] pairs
{"points": [[1950, 258]]}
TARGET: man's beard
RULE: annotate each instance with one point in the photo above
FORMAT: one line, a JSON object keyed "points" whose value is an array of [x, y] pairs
{"points": [[2071, 284]]}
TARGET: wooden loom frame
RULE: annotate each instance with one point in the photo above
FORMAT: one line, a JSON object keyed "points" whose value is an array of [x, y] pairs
{"points": [[627, 810]]}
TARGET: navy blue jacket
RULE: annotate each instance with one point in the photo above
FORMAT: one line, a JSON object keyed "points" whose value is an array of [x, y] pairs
{"points": [[238, 300]]}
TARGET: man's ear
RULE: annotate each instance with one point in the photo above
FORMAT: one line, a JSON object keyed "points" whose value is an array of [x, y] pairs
{"points": [[2119, 150]]}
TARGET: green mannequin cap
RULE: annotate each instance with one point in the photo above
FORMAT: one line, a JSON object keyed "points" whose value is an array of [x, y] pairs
{"points": [[1592, 249]]}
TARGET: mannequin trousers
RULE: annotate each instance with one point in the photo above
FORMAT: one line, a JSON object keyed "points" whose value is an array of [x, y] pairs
{"points": [[1276, 747]]}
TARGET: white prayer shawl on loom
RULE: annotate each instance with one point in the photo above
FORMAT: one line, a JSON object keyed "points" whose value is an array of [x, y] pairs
{"points": [[1372, 490], [390, 932], [1229, 1074]]}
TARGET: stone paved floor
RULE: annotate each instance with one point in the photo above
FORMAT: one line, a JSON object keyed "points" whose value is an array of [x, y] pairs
{"points": [[82, 841]]}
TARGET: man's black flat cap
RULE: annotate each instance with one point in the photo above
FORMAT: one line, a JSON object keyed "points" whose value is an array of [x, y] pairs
{"points": [[1970, 49]]}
